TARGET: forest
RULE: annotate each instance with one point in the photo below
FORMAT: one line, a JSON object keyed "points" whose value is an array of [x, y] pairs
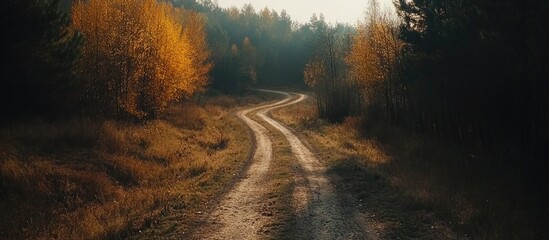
{"points": [[90, 78]]}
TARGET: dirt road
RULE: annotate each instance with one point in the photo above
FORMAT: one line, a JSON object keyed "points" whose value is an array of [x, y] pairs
{"points": [[317, 211]]}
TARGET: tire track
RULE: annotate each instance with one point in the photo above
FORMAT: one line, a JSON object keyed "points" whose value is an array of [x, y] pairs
{"points": [[317, 211], [316, 204], [238, 214]]}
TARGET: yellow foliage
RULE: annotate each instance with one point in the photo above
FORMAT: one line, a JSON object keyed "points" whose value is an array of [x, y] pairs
{"points": [[194, 33], [138, 56], [373, 54], [314, 71]]}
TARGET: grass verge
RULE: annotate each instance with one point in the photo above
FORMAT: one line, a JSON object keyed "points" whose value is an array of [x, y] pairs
{"points": [[407, 187], [280, 183], [87, 179]]}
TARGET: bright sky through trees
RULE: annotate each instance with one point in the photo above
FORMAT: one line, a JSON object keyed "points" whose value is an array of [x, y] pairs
{"points": [[342, 11]]}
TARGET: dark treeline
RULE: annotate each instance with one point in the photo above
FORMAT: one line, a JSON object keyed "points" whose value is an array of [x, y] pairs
{"points": [[253, 47], [476, 70], [472, 73], [38, 57], [476, 73]]}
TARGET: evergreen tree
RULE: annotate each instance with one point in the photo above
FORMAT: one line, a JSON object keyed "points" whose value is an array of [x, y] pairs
{"points": [[38, 57]]}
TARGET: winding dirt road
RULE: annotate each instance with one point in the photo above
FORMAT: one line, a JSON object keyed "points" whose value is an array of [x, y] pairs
{"points": [[317, 210]]}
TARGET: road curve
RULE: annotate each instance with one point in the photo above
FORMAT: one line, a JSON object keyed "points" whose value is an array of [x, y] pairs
{"points": [[319, 212], [238, 215], [316, 208]]}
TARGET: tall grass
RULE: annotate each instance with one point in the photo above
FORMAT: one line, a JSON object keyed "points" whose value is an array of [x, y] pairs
{"points": [[92, 179]]}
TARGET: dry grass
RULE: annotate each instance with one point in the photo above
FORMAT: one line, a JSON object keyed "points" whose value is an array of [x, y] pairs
{"points": [[338, 140], [415, 181], [279, 203], [82, 179]]}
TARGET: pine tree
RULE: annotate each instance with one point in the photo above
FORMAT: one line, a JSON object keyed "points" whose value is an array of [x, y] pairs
{"points": [[38, 57]]}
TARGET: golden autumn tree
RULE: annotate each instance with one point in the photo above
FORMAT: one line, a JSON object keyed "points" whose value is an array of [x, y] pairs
{"points": [[374, 62], [193, 33], [139, 55], [314, 71], [374, 51]]}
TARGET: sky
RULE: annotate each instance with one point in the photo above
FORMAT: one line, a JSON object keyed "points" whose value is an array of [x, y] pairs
{"points": [[340, 11]]}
